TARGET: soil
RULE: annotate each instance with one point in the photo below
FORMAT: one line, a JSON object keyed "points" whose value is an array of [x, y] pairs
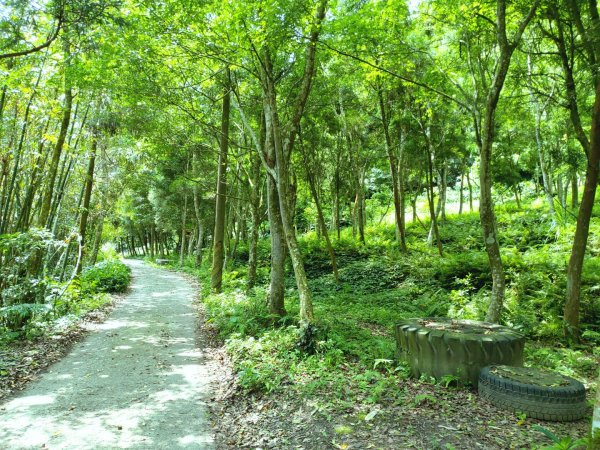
{"points": [[431, 416]]}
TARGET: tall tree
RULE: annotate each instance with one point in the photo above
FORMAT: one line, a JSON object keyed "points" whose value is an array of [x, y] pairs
{"points": [[589, 33], [216, 277]]}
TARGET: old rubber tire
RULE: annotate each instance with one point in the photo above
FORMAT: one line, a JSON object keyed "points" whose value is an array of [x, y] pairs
{"points": [[539, 394], [443, 346]]}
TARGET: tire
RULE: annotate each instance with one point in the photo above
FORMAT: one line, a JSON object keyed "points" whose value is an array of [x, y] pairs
{"points": [[442, 346], [538, 393]]}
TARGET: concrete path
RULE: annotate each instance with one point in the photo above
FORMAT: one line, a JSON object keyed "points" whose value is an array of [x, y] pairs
{"points": [[139, 380]]}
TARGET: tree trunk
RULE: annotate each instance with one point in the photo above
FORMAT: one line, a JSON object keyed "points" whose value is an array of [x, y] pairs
{"points": [[282, 177], [200, 226], [255, 190], [559, 190], [539, 111], [321, 219], [336, 201], [278, 246], [574, 270], [460, 195], [216, 278], [56, 154], [430, 200], [97, 238], [360, 216], [517, 197], [470, 186], [393, 163], [574, 190], [85, 211], [34, 183], [5, 219], [183, 233], [253, 247], [283, 153], [485, 142], [401, 190], [191, 241], [443, 188]]}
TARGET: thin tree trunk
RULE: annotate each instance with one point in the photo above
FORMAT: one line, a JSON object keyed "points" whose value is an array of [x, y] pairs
{"points": [[401, 190], [443, 188], [337, 198], [517, 197], [461, 198], [190, 242], [33, 185], [393, 163], [85, 211], [430, 201], [5, 220], [183, 233], [282, 179], [97, 237], [574, 190], [283, 153], [253, 247], [53, 169], [321, 219], [359, 211], [470, 186], [200, 227]]}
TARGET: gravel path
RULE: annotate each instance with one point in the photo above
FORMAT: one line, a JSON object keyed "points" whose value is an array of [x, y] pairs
{"points": [[139, 380]]}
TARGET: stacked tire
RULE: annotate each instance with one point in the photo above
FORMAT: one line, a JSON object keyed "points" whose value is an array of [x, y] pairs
{"points": [[441, 346], [538, 394]]}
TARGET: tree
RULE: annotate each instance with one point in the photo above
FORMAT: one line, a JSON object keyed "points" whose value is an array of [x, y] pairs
{"points": [[220, 200], [591, 147]]}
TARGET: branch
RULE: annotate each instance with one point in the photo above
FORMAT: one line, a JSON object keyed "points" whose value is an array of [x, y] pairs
{"points": [[307, 79], [37, 48], [524, 23], [237, 105], [395, 75]]}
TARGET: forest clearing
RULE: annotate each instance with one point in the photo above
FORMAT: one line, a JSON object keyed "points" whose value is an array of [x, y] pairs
{"points": [[306, 224]]}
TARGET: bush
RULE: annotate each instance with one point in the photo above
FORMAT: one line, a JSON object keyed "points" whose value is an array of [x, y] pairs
{"points": [[15, 318], [106, 276], [19, 252], [108, 252]]}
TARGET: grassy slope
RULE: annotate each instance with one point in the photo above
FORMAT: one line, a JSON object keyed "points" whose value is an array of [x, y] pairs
{"points": [[353, 362]]}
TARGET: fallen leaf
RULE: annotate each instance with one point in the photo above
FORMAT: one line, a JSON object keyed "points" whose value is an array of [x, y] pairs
{"points": [[371, 415]]}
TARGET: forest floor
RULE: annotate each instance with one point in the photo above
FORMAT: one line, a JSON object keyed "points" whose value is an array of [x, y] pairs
{"points": [[138, 380], [431, 417]]}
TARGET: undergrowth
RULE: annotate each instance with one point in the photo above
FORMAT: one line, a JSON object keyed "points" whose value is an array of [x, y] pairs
{"points": [[354, 356], [61, 303]]}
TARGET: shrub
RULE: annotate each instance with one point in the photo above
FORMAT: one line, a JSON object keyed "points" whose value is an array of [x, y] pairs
{"points": [[19, 252], [108, 252], [14, 318], [106, 276]]}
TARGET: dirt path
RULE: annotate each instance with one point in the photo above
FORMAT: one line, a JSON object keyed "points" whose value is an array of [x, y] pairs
{"points": [[139, 380]]}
